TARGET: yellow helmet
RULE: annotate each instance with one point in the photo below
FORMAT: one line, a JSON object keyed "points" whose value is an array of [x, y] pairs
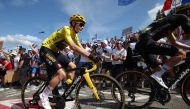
{"points": [[77, 17]]}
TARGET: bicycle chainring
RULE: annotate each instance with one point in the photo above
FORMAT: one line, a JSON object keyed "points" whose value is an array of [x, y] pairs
{"points": [[163, 96]]}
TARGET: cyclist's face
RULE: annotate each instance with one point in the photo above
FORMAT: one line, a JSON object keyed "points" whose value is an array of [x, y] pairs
{"points": [[79, 26]]}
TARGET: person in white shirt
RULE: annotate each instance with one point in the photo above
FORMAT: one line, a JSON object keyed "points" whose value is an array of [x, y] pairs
{"points": [[84, 60], [119, 54], [106, 52]]}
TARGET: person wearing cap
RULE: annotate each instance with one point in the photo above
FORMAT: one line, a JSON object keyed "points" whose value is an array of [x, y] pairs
{"points": [[106, 54]]}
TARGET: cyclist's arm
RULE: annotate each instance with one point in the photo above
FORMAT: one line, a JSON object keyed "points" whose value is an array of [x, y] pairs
{"points": [[77, 48], [174, 42], [67, 35]]}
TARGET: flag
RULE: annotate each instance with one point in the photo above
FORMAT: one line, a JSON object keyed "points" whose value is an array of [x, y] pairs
{"points": [[167, 5], [125, 2], [185, 1]]}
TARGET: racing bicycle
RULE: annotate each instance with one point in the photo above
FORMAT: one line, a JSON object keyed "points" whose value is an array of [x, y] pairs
{"points": [[141, 90], [89, 92]]}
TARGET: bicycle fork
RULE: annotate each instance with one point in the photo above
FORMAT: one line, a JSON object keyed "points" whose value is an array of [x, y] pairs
{"points": [[91, 85]]}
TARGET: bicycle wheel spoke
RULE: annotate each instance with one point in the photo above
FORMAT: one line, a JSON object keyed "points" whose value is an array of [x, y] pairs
{"points": [[137, 88], [185, 89], [86, 99], [30, 97]]}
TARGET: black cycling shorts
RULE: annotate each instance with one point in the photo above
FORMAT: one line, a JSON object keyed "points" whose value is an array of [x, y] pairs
{"points": [[54, 61], [150, 48]]}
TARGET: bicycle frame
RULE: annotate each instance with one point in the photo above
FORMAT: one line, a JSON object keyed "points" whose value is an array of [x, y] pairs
{"points": [[180, 77], [85, 76]]}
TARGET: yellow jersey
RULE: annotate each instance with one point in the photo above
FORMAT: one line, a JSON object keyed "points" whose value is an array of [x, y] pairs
{"points": [[59, 40]]}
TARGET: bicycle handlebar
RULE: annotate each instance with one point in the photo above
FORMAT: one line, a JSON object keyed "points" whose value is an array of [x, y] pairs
{"points": [[94, 67]]}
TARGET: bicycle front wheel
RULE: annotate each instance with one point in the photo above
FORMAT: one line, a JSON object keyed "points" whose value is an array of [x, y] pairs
{"points": [[138, 89], [185, 89], [85, 98], [30, 93]]}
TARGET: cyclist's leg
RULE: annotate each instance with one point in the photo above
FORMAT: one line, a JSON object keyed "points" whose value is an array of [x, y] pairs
{"points": [[64, 60], [71, 75], [51, 61], [169, 50], [149, 53], [180, 55]]}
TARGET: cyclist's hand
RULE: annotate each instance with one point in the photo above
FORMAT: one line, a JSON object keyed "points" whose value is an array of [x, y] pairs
{"points": [[94, 58]]}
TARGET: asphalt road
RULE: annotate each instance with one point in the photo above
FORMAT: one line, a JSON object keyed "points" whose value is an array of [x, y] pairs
{"points": [[10, 99]]}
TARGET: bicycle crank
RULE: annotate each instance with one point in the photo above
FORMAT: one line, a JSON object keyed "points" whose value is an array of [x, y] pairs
{"points": [[163, 96]]}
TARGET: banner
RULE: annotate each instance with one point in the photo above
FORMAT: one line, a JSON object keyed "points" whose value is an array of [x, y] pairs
{"points": [[125, 2], [127, 31], [176, 3]]}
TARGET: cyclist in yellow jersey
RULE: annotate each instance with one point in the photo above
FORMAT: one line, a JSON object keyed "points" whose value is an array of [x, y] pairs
{"points": [[55, 61]]}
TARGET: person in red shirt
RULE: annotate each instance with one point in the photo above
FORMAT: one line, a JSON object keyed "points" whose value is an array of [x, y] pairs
{"points": [[6, 64]]}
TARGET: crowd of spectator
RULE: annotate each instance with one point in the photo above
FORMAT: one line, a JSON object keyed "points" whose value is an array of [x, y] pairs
{"points": [[17, 67]]}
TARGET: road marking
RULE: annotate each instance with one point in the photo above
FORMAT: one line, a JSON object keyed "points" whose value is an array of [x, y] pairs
{"points": [[70, 105], [12, 92], [11, 103], [17, 104]]}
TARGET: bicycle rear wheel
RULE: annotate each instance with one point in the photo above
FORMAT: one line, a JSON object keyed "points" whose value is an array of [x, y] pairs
{"points": [[85, 98], [30, 93], [185, 89], [138, 89]]}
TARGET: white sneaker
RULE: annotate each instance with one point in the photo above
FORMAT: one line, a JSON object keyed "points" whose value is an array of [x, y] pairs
{"points": [[45, 101], [159, 80]]}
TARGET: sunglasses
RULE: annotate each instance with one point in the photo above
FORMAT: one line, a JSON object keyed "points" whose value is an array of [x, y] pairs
{"points": [[81, 24]]}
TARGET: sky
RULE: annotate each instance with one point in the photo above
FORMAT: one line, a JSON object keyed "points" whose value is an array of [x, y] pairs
{"points": [[21, 21]]}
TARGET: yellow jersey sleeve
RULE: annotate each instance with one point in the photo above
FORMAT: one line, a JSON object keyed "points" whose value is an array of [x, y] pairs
{"points": [[59, 39]]}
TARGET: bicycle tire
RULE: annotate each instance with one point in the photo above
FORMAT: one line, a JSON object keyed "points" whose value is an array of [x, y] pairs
{"points": [[27, 93], [107, 101], [185, 89], [138, 95]]}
